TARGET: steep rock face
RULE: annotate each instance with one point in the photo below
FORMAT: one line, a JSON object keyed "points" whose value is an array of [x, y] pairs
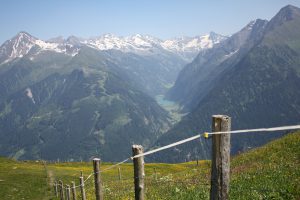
{"points": [[74, 108], [259, 90]]}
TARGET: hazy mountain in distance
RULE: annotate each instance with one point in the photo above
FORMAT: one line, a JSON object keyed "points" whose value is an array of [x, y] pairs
{"points": [[152, 63], [73, 107], [75, 98], [185, 47], [197, 78], [258, 89]]}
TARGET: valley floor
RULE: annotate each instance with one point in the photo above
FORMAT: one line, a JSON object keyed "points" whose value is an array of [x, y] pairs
{"points": [[269, 172], [171, 107]]}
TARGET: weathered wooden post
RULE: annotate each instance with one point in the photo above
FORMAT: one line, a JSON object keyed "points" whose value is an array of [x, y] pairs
{"points": [[220, 167], [61, 190], [119, 172], [139, 174], [68, 192], [55, 189], [155, 174], [197, 161], [97, 178], [73, 190], [82, 190]]}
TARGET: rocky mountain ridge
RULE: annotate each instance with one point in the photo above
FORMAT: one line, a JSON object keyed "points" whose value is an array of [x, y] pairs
{"points": [[186, 47]]}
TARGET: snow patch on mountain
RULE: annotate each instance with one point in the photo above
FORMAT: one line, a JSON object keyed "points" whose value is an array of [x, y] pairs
{"points": [[231, 53], [250, 25], [68, 49], [127, 44], [140, 42], [30, 95], [47, 46]]}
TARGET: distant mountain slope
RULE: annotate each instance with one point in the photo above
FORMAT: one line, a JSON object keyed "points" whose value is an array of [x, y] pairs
{"points": [[197, 78], [75, 98], [260, 90], [58, 106], [184, 47], [152, 73], [152, 63], [22, 43]]}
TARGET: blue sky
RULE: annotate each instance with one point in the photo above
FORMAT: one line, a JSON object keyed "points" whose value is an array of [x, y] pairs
{"points": [[161, 18]]}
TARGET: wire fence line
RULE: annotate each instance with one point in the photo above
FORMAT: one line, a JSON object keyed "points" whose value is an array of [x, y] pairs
{"points": [[156, 178], [205, 135], [280, 128], [151, 179], [168, 180], [93, 173], [115, 165]]}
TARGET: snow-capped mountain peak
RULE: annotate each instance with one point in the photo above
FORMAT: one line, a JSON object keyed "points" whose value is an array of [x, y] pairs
{"points": [[24, 36], [22, 43], [186, 47], [192, 44], [142, 44], [18, 46]]}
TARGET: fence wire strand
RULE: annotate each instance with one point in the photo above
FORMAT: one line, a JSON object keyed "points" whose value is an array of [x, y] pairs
{"points": [[281, 128]]}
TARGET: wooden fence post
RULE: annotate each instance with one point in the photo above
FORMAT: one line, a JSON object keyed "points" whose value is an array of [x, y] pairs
{"points": [[68, 192], [61, 190], [139, 173], [155, 174], [73, 190], [97, 177], [119, 172], [55, 189], [81, 182], [220, 167]]}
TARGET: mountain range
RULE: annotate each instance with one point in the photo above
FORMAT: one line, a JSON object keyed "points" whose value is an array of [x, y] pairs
{"points": [[253, 76], [76, 98], [186, 47], [151, 62]]}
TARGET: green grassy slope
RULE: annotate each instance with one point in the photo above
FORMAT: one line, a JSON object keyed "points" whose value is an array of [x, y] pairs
{"points": [[23, 180], [269, 172]]}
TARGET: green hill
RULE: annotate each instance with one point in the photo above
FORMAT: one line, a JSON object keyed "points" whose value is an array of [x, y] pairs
{"points": [[268, 172], [74, 109]]}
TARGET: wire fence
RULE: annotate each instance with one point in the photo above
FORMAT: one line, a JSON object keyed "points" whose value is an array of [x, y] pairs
{"points": [[158, 182], [121, 187]]}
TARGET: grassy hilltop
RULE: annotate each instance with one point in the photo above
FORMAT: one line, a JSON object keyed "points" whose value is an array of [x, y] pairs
{"points": [[269, 172]]}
